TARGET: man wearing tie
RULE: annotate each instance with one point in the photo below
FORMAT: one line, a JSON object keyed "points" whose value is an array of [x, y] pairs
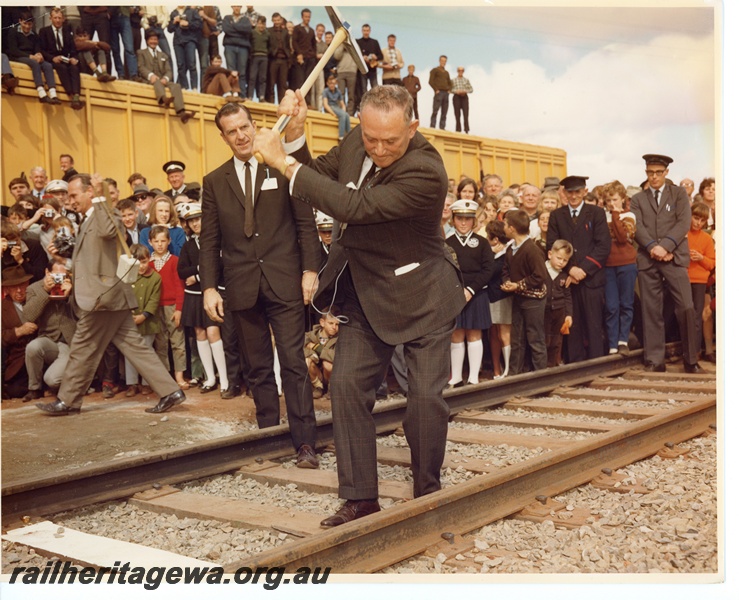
{"points": [[271, 256], [398, 282], [585, 227], [662, 214], [103, 304], [57, 47]]}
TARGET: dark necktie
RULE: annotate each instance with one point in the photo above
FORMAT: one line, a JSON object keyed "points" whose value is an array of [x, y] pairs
{"points": [[248, 203], [58, 41], [656, 198], [573, 214]]}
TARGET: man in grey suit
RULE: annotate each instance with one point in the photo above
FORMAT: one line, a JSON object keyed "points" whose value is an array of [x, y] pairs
{"points": [[662, 214], [270, 252], [103, 305], [395, 278], [156, 67]]}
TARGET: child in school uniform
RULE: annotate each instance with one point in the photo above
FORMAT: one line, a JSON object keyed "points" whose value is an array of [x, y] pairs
{"points": [[525, 275], [558, 314], [170, 305], [207, 331], [501, 303], [148, 290]]}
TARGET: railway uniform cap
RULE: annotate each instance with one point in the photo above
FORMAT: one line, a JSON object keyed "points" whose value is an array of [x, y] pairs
{"points": [[15, 276], [324, 222], [657, 159], [189, 210], [173, 165], [57, 185], [465, 208], [151, 33], [574, 182]]}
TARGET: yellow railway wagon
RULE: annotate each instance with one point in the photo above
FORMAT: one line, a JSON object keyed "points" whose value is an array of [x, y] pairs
{"points": [[122, 130]]}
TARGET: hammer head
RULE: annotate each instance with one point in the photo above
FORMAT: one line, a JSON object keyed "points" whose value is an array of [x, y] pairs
{"points": [[349, 43]]}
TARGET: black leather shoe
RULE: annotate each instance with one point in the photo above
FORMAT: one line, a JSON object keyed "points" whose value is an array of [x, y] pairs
{"points": [[451, 386], [168, 402], [307, 458], [693, 369], [230, 392], [623, 349], [351, 511], [208, 388], [652, 368], [33, 395], [57, 408]]}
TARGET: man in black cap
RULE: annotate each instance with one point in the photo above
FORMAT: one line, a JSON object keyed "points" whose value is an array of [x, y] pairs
{"points": [[585, 227], [175, 171], [662, 214]]}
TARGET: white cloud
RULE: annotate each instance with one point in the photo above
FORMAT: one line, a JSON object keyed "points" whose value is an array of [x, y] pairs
{"points": [[606, 109]]}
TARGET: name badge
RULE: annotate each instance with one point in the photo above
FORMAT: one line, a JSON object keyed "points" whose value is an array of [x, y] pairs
{"points": [[269, 184]]}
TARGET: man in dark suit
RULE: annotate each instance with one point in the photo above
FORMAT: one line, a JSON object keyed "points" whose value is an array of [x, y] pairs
{"points": [[585, 227], [103, 305], [662, 222], [57, 47], [271, 255], [396, 278]]}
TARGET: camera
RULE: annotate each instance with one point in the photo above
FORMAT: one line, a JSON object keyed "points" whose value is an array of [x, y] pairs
{"points": [[49, 213], [64, 242], [56, 290], [12, 243], [57, 278]]}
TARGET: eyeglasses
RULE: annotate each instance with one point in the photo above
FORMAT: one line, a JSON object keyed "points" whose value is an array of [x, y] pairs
{"points": [[652, 173]]}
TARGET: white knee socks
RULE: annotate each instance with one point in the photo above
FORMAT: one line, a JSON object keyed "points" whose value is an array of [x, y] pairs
{"points": [[457, 362], [506, 359], [219, 356], [474, 352], [206, 357]]}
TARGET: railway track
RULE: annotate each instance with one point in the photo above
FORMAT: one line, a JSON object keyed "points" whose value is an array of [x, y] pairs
{"points": [[611, 412]]}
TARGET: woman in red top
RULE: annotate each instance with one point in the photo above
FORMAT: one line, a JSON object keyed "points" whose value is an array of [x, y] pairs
{"points": [[702, 264]]}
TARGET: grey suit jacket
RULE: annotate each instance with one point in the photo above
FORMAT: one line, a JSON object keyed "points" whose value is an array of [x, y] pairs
{"points": [[667, 226], [94, 264], [285, 241], [161, 66], [392, 224]]}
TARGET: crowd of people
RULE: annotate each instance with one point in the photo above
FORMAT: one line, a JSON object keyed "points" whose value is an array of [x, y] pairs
{"points": [[302, 275], [257, 62]]}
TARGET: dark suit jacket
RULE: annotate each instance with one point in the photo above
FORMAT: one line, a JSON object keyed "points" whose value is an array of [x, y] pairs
{"points": [[94, 264], [14, 348], [590, 238], [392, 222], [284, 244], [48, 42], [667, 227]]}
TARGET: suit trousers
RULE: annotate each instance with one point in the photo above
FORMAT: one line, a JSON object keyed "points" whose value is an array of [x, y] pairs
{"points": [[586, 334], [95, 330], [651, 294], [527, 331], [44, 351], [461, 104], [69, 75], [174, 88], [287, 321], [361, 363], [278, 72]]}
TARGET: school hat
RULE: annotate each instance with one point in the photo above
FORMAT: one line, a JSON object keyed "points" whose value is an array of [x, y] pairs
{"points": [[189, 210], [464, 208], [57, 185], [574, 182], [324, 222]]}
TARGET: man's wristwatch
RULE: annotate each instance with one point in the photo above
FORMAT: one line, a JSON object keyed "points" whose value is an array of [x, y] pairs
{"points": [[289, 161]]}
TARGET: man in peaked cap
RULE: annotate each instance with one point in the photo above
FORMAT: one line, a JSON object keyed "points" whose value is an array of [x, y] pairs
{"points": [[662, 214], [175, 171], [585, 227]]}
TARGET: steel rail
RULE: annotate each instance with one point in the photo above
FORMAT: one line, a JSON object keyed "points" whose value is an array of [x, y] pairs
{"points": [[121, 478], [385, 538]]}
